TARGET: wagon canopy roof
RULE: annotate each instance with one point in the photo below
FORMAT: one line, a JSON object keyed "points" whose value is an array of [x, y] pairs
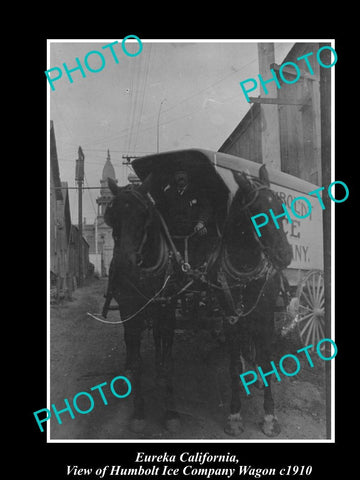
{"points": [[212, 170], [198, 163]]}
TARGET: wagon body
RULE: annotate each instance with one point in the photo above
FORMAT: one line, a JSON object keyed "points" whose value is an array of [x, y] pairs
{"points": [[213, 171]]}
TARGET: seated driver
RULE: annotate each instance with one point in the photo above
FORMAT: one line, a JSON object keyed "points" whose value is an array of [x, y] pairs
{"points": [[187, 211]]}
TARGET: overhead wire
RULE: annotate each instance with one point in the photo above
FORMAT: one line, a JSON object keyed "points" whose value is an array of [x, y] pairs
{"points": [[209, 86], [89, 193], [147, 68], [136, 113], [134, 94], [141, 78], [125, 132], [131, 90]]}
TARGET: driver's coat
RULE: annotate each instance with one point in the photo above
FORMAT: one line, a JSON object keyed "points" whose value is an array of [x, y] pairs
{"points": [[183, 209]]}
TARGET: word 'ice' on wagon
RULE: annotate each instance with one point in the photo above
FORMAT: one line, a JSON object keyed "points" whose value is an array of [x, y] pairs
{"points": [[97, 63], [295, 212], [284, 68], [283, 359], [77, 400]]}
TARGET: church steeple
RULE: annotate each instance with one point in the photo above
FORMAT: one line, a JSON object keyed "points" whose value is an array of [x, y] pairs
{"points": [[105, 194], [108, 170]]}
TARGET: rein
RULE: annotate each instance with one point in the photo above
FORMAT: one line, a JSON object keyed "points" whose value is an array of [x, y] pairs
{"points": [[242, 278], [149, 204], [149, 219], [265, 263], [133, 315], [264, 268]]}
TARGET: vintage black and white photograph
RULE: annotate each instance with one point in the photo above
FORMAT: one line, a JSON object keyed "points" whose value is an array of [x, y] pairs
{"points": [[191, 196]]}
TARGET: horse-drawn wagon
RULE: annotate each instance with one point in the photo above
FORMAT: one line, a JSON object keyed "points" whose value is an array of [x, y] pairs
{"points": [[241, 277], [214, 172]]}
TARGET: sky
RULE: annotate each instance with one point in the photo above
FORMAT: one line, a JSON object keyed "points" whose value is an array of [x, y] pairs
{"points": [[173, 95]]}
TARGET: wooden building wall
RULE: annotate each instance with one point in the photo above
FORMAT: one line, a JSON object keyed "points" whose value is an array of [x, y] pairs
{"points": [[63, 236], [299, 125], [245, 140], [300, 138], [73, 255]]}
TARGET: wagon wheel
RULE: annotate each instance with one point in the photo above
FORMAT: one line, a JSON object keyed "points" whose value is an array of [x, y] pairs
{"points": [[311, 308]]}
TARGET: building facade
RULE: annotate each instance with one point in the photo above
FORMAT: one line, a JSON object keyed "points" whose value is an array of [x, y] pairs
{"points": [[282, 127], [63, 236], [288, 128]]}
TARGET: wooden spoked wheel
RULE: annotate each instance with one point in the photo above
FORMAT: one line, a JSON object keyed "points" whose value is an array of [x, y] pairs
{"points": [[310, 308]]}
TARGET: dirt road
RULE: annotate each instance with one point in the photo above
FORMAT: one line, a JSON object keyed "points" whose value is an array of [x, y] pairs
{"points": [[85, 353]]}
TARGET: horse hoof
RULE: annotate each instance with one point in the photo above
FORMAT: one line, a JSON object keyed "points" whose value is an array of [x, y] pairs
{"points": [[137, 425], [173, 423], [270, 426], [234, 425]]}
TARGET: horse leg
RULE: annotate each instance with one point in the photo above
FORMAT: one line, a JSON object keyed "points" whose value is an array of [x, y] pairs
{"points": [[270, 424], [234, 425], [132, 336], [163, 330]]}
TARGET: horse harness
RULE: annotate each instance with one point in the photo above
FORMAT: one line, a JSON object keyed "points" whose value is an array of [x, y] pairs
{"points": [[265, 269], [242, 279]]}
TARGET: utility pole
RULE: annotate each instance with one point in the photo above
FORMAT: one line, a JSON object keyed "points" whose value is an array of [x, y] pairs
{"points": [[127, 162], [128, 159], [270, 129], [79, 178]]}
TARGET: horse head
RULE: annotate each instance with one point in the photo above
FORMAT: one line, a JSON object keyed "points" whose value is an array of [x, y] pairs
{"points": [[129, 214], [255, 196]]}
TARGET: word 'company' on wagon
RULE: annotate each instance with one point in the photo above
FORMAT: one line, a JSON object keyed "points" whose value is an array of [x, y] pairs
{"points": [[294, 211]]}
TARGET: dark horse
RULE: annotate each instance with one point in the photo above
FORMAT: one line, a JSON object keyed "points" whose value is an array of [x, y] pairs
{"points": [[244, 273], [250, 274]]}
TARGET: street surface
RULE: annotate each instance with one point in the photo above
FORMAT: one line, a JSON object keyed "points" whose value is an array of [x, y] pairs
{"points": [[85, 353]]}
